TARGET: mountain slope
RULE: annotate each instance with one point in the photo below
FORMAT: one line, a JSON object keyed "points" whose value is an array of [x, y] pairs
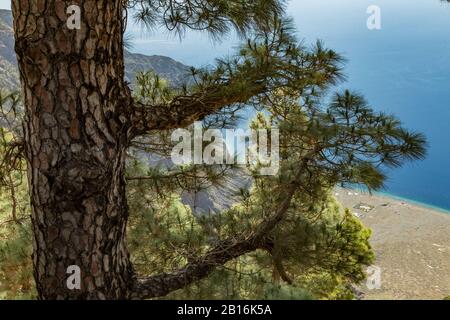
{"points": [[174, 71], [213, 200], [166, 67], [9, 75]]}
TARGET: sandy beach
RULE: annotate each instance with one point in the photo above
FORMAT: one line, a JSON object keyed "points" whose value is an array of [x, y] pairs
{"points": [[412, 246]]}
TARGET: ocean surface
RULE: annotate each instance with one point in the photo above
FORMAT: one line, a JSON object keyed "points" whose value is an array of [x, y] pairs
{"points": [[403, 69]]}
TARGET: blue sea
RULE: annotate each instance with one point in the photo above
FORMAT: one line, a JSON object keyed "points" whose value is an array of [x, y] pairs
{"points": [[403, 69]]}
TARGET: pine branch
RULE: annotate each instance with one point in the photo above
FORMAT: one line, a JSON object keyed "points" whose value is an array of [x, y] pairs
{"points": [[271, 62], [225, 251], [185, 110]]}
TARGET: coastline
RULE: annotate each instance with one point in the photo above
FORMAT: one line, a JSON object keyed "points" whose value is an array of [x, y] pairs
{"points": [[412, 201], [411, 242]]}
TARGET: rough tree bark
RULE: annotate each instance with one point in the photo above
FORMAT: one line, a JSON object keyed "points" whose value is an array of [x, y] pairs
{"points": [[74, 92], [79, 120]]}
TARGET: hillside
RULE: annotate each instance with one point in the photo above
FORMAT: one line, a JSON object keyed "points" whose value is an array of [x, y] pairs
{"points": [[166, 67], [217, 198], [174, 71], [9, 75]]}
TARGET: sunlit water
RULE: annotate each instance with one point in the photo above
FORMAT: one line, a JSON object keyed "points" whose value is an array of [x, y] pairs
{"points": [[403, 69]]}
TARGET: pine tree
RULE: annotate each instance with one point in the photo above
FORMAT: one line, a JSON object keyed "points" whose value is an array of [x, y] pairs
{"points": [[84, 130]]}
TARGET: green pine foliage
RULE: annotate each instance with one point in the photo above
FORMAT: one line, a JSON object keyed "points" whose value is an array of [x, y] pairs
{"points": [[314, 249], [16, 280]]}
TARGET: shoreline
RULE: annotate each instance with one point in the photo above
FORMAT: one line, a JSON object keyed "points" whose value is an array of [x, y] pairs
{"points": [[392, 196], [412, 201], [411, 244]]}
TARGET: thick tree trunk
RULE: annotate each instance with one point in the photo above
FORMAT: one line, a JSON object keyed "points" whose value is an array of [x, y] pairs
{"points": [[76, 141], [79, 119]]}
